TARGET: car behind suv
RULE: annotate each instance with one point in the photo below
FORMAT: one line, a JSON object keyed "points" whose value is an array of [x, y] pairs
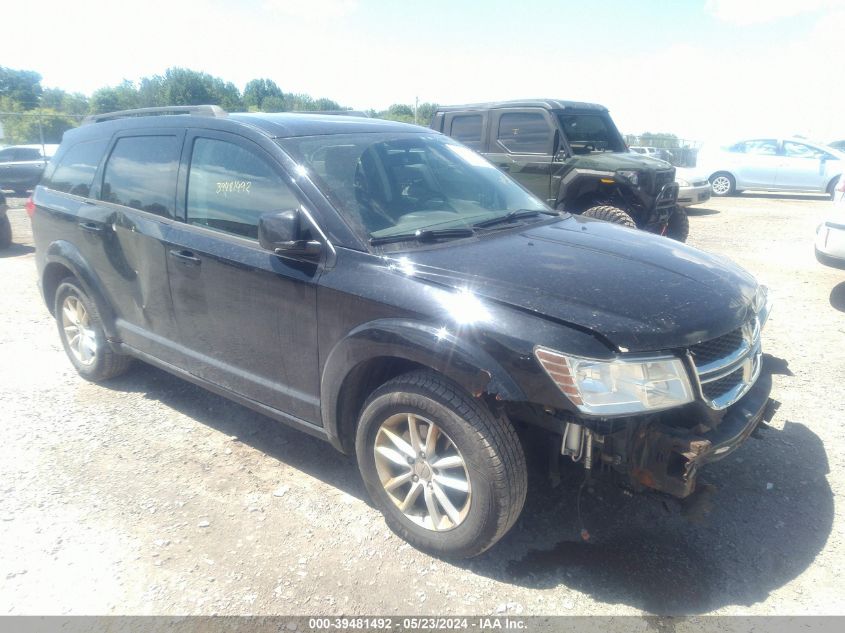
{"points": [[21, 166], [384, 288], [571, 155]]}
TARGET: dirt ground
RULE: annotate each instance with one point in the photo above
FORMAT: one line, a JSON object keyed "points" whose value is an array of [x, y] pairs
{"points": [[152, 496]]}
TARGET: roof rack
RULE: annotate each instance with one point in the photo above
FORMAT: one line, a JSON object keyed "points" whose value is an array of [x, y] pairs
{"points": [[194, 110]]}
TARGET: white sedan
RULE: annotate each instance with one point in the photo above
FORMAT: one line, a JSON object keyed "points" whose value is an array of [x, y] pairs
{"points": [[693, 186], [830, 236]]}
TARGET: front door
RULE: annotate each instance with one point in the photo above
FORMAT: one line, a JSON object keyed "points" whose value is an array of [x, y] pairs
{"points": [[802, 168], [246, 317], [521, 145]]}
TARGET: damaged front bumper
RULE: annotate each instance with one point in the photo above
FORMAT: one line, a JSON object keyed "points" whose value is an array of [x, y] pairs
{"points": [[667, 458]]}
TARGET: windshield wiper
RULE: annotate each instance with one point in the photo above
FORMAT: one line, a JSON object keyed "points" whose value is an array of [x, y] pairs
{"points": [[423, 235], [512, 216]]}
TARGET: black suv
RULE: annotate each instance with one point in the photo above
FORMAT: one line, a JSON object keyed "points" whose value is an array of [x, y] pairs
{"points": [[571, 155], [382, 287]]}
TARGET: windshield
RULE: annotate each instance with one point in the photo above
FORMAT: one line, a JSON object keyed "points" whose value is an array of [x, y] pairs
{"points": [[396, 184], [588, 133]]}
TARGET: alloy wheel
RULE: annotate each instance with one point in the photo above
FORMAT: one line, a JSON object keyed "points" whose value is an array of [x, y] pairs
{"points": [[721, 185], [80, 336], [423, 472]]}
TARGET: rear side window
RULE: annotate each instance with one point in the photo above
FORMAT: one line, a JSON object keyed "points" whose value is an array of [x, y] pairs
{"points": [[75, 173], [230, 187], [141, 173], [764, 147], [27, 153], [525, 133], [466, 128]]}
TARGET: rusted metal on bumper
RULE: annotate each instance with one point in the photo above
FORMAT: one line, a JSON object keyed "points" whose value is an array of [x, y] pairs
{"points": [[667, 459]]}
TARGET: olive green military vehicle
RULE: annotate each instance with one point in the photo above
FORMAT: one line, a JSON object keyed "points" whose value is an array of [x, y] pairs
{"points": [[571, 155]]}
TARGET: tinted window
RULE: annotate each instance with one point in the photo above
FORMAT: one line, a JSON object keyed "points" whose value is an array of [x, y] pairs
{"points": [[229, 187], [75, 173], [525, 133], [7, 155], [467, 129], [766, 147], [141, 173], [593, 133], [799, 150], [27, 153]]}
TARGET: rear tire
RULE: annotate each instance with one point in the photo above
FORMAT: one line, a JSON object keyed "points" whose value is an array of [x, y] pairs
{"points": [[678, 226], [722, 184], [476, 458], [831, 188], [81, 331], [610, 214], [5, 231]]}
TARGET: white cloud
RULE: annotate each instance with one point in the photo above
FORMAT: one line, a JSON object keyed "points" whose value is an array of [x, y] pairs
{"points": [[747, 12], [313, 9]]}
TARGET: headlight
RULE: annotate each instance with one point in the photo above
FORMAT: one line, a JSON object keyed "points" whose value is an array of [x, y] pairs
{"points": [[618, 387], [631, 176], [681, 182]]}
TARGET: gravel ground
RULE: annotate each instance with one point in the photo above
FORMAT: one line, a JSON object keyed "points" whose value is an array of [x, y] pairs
{"points": [[152, 496]]}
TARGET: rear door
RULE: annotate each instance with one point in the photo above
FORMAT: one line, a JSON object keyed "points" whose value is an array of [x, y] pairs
{"points": [[125, 226], [467, 127], [246, 317], [21, 167], [521, 143], [802, 168]]}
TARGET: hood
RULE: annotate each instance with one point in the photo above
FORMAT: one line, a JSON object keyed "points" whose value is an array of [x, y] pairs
{"points": [[613, 161], [640, 291]]}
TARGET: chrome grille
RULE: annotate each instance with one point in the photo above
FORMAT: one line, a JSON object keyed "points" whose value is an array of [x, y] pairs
{"points": [[728, 366]]}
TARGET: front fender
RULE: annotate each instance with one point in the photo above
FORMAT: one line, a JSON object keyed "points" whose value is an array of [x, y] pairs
{"points": [[65, 254], [458, 358]]}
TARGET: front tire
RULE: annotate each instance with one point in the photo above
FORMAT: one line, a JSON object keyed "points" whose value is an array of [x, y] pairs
{"points": [[82, 335], [448, 475], [611, 214], [722, 184], [5, 231], [678, 226]]}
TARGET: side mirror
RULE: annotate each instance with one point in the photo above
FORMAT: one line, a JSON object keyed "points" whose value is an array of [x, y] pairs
{"points": [[282, 233]]}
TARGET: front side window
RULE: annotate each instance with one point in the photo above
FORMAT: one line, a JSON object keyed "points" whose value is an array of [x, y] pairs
{"points": [[141, 173], [27, 153], [7, 155], [764, 147], [392, 184], [525, 133], [588, 133], [230, 187], [75, 173], [467, 129]]}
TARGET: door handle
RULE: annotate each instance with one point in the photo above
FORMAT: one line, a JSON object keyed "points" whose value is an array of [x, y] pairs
{"points": [[90, 227], [186, 257]]}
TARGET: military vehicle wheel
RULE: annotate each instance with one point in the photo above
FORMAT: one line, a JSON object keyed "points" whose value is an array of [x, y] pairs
{"points": [[610, 214], [678, 227]]}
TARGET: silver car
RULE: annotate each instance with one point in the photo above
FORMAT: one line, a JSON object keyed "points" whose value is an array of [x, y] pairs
{"points": [[772, 164], [830, 235], [693, 186]]}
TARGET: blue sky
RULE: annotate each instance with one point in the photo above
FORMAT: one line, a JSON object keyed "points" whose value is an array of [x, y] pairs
{"points": [[702, 69]]}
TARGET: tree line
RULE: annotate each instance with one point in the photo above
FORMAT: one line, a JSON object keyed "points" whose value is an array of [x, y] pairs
{"points": [[31, 113]]}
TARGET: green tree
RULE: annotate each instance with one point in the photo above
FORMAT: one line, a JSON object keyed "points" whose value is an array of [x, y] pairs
{"points": [[326, 104], [274, 104], [257, 90], [121, 97], [22, 87], [29, 126]]}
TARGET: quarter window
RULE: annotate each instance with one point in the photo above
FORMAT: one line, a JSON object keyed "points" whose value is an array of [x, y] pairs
{"points": [[75, 172], [525, 133], [141, 173], [467, 129], [230, 187]]}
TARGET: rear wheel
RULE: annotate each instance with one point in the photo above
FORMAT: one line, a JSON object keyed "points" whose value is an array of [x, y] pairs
{"points": [[678, 226], [81, 332], [722, 184], [610, 214], [448, 475], [831, 188], [5, 231]]}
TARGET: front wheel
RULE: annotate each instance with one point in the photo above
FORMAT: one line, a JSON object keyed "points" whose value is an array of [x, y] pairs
{"points": [[612, 214], [5, 230], [722, 184], [678, 226], [448, 475]]}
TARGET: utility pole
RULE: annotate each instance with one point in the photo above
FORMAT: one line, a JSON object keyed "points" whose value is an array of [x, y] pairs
{"points": [[416, 105]]}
